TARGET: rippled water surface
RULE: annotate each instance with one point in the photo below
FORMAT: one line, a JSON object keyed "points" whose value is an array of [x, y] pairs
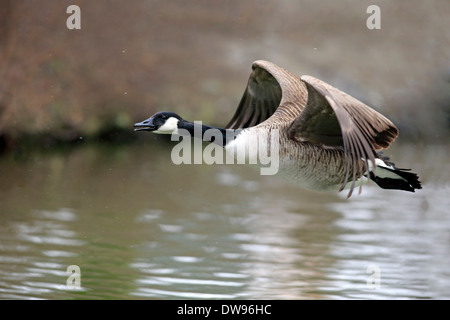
{"points": [[139, 227]]}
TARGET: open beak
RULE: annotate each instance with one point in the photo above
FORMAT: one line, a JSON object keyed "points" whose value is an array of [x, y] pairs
{"points": [[146, 125]]}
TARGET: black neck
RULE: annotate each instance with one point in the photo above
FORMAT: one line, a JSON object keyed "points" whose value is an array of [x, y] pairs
{"points": [[207, 133]]}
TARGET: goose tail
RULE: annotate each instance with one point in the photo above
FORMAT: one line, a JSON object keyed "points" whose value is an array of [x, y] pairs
{"points": [[390, 177]]}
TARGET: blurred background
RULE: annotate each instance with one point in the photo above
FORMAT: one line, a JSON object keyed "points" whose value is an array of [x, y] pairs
{"points": [[128, 61], [79, 187]]}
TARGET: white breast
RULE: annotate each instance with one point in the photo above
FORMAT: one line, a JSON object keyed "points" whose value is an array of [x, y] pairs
{"points": [[258, 146], [244, 148]]}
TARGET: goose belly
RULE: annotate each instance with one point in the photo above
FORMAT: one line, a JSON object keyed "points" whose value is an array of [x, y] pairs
{"points": [[308, 177], [308, 165], [313, 166]]}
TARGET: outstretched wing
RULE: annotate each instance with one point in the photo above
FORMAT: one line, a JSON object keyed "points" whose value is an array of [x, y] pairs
{"points": [[269, 86], [260, 100], [334, 118]]}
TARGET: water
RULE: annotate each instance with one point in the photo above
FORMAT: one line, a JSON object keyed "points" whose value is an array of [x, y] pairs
{"points": [[139, 227]]}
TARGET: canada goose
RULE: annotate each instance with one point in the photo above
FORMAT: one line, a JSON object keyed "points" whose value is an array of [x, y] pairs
{"points": [[328, 139]]}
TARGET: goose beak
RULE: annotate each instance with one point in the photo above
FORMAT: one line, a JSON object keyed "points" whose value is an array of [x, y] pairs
{"points": [[146, 125]]}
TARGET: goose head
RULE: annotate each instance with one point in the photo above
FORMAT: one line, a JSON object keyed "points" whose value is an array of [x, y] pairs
{"points": [[162, 122]]}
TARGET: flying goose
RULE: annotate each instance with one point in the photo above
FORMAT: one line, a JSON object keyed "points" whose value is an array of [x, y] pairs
{"points": [[328, 140]]}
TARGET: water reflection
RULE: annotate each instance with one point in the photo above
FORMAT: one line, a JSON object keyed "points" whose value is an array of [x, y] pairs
{"points": [[24, 243], [140, 227], [398, 236]]}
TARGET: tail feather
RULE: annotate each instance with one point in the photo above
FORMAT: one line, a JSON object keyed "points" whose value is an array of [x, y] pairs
{"points": [[389, 177], [405, 180]]}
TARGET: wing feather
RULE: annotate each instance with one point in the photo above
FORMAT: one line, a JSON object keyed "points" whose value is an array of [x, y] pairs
{"points": [[332, 117], [261, 98]]}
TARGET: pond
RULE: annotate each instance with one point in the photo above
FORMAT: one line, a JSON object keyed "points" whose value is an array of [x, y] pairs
{"points": [[136, 226]]}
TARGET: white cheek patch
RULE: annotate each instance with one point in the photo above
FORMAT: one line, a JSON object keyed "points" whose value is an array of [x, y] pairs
{"points": [[169, 127]]}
